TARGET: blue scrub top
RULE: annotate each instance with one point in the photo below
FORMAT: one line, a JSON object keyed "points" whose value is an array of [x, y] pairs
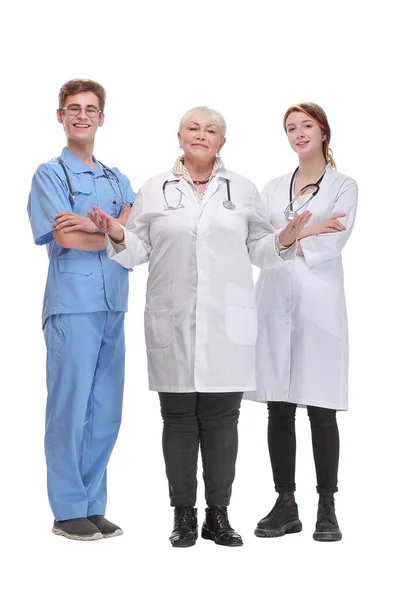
{"points": [[78, 281]]}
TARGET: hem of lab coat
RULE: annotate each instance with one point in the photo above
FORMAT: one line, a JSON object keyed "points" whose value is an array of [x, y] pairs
{"points": [[300, 402], [203, 389]]}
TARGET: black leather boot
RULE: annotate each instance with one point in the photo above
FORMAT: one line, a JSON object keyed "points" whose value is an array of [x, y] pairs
{"points": [[282, 519], [327, 526], [217, 528], [184, 533]]}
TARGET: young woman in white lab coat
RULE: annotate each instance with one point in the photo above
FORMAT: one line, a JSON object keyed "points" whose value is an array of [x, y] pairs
{"points": [[200, 227], [302, 350]]}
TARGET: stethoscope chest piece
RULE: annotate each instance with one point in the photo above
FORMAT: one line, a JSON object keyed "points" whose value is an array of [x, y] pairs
{"points": [[290, 215], [229, 204]]}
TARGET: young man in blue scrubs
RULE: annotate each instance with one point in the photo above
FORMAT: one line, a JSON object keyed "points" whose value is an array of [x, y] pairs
{"points": [[83, 316]]}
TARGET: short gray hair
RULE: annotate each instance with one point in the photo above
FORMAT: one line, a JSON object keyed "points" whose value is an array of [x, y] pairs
{"points": [[204, 113]]}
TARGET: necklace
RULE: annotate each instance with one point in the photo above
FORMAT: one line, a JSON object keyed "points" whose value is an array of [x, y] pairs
{"points": [[198, 182]]}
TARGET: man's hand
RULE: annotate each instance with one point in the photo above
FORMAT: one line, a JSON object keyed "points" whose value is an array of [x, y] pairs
{"points": [[106, 224], [69, 221], [293, 229]]}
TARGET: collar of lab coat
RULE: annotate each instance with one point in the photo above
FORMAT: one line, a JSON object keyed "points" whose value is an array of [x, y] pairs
{"points": [[76, 165], [184, 187]]}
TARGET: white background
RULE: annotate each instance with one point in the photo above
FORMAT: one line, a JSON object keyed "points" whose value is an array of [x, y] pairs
{"points": [[250, 60]]}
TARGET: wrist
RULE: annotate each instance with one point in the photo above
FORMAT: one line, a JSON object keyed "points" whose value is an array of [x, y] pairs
{"points": [[285, 245], [117, 239], [306, 232]]}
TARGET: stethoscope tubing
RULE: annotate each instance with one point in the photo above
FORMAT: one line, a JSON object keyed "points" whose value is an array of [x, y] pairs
{"points": [[291, 214], [228, 204], [106, 171]]}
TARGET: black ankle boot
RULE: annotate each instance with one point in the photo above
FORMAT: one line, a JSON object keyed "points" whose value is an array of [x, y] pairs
{"points": [[282, 519], [327, 526], [217, 528], [184, 533]]}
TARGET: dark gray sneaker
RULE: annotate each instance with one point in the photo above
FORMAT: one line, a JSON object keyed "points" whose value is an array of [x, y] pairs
{"points": [[77, 529], [327, 526], [281, 520], [106, 528]]}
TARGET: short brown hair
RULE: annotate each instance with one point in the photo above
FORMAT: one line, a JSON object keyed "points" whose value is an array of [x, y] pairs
{"points": [[74, 86], [317, 114]]}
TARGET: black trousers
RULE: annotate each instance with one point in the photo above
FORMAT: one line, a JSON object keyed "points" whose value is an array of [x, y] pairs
{"points": [[206, 421], [282, 446]]}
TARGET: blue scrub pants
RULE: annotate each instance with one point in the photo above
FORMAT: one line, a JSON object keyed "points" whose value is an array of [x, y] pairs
{"points": [[85, 380]]}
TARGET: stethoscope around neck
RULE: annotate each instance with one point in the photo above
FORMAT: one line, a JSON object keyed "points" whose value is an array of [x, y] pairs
{"points": [[108, 174], [310, 188], [228, 204]]}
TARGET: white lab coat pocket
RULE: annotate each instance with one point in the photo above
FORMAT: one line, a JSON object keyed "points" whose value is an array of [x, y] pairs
{"points": [[241, 315], [159, 318], [323, 304]]}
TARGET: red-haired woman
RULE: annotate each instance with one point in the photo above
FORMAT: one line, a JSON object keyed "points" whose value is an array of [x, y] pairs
{"points": [[302, 349]]}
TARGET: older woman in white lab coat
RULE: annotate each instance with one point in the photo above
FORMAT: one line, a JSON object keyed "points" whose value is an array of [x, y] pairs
{"points": [[302, 350], [200, 227]]}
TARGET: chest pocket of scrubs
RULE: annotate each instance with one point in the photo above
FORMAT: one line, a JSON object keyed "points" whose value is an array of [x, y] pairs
{"points": [[83, 201], [75, 265], [241, 316], [159, 318]]}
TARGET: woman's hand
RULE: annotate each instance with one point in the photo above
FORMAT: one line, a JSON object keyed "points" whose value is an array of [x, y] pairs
{"points": [[330, 225], [106, 224], [293, 229], [124, 214], [69, 221]]}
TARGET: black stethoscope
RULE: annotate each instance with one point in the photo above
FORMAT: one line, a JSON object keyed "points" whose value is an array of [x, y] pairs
{"points": [[310, 188], [227, 203], [107, 172]]}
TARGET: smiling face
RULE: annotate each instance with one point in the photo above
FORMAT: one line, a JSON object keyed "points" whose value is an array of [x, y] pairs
{"points": [[304, 135], [81, 128], [200, 140]]}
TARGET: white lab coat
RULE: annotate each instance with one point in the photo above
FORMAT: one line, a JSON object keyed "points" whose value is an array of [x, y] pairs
{"points": [[302, 345], [200, 315]]}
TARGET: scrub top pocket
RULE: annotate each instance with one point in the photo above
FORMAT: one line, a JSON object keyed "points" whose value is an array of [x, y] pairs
{"points": [[75, 266], [84, 199]]}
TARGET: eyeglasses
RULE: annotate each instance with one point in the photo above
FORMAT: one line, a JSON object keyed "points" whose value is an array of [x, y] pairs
{"points": [[74, 110]]}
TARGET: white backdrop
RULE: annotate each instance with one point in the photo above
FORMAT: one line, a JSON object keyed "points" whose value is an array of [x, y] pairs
{"points": [[249, 60]]}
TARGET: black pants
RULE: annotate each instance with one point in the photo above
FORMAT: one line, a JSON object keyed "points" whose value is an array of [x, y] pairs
{"points": [[208, 421], [282, 446]]}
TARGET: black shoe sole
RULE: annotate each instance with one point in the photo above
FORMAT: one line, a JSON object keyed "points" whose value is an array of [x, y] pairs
{"points": [[183, 544], [327, 536], [206, 534], [294, 527]]}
